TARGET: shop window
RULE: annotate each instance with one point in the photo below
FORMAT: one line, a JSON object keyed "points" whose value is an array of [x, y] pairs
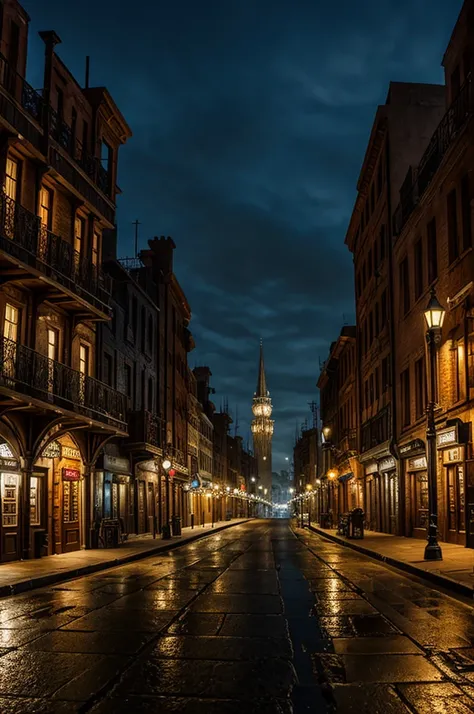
{"points": [[456, 498], [35, 514], [95, 248], [460, 370], [466, 212], [405, 395], [9, 499], [421, 499], [432, 251], [453, 243], [420, 387], [79, 233], [418, 268], [404, 286]]}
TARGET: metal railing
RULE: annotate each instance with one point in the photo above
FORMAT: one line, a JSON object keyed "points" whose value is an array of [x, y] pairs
{"points": [[37, 376], [348, 440], [376, 430], [63, 134], [449, 127], [145, 428], [23, 236], [17, 86]]}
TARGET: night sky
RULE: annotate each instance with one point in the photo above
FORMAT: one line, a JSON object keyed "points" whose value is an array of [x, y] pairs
{"points": [[250, 125]]}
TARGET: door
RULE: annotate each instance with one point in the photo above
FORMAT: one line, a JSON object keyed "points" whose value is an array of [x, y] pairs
{"points": [[456, 504], [10, 540], [71, 530], [11, 192], [419, 503], [11, 331], [141, 507], [151, 507]]}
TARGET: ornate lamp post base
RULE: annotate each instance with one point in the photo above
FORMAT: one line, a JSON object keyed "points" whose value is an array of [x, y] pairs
{"points": [[433, 551]]}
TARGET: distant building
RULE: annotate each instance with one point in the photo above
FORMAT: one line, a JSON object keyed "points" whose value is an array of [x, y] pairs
{"points": [[262, 429]]}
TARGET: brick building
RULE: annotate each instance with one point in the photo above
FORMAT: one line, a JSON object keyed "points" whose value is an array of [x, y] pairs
{"points": [[401, 130], [58, 166], [433, 248]]}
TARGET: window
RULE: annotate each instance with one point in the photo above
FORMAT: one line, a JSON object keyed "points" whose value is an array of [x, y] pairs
{"points": [[128, 380], [53, 344], [150, 394], [466, 212], [405, 395], [12, 323], [453, 243], [95, 248], [460, 371], [420, 387], [46, 206], [79, 232], [108, 369], [404, 286], [12, 175], [418, 268], [432, 251], [106, 155], [84, 359]]}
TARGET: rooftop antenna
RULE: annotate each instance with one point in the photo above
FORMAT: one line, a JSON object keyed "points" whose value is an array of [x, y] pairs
{"points": [[136, 224], [88, 65]]}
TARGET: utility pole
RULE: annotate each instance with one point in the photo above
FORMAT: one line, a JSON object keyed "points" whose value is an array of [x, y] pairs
{"points": [[136, 224]]}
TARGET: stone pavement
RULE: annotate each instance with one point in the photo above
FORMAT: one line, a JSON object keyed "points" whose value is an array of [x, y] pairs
{"points": [[455, 571], [24, 575], [254, 619]]}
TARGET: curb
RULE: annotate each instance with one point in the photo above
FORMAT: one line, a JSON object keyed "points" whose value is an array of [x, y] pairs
{"points": [[435, 578], [34, 583]]}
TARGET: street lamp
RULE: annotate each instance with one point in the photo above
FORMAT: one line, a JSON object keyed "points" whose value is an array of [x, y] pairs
{"points": [[326, 432], [434, 317]]}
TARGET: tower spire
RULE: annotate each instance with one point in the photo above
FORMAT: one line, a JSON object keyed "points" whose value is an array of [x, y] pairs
{"points": [[262, 382]]}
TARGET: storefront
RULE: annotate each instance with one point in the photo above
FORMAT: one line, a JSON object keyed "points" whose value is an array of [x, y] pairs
{"points": [[388, 496], [150, 497], [450, 442], [113, 492], [414, 466], [10, 481], [371, 496]]}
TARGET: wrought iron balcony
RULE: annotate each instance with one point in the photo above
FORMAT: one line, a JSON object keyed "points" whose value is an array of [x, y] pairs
{"points": [[63, 134], [23, 237], [376, 430], [448, 129], [145, 428], [17, 86], [348, 441], [37, 377]]}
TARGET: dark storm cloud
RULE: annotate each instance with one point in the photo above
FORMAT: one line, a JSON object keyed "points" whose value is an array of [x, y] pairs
{"points": [[250, 123]]}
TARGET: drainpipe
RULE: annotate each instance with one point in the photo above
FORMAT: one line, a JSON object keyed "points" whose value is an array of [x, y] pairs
{"points": [[50, 39]]}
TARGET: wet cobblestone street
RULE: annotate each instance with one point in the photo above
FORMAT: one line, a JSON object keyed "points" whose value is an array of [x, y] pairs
{"points": [[251, 619]]}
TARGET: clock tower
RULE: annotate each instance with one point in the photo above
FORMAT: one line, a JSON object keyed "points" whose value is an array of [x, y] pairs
{"points": [[262, 429]]}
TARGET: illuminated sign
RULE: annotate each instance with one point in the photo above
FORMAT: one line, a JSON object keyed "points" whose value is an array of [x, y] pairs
{"points": [[387, 464], [69, 453], [417, 464], [6, 452], [52, 451], [446, 438], [71, 475]]}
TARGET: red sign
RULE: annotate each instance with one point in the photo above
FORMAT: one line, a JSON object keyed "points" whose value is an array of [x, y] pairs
{"points": [[242, 487], [71, 475], [171, 473]]}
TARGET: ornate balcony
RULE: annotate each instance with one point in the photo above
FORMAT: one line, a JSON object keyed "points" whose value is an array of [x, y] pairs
{"points": [[376, 430], [448, 129], [145, 429], [27, 103], [23, 238], [56, 385]]}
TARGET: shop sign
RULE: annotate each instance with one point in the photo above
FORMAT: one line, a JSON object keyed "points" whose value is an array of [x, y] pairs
{"points": [[417, 464], [371, 468], [387, 464], [52, 451], [116, 464], [452, 456], [413, 447], [447, 437], [121, 478], [9, 465], [71, 475], [345, 477], [148, 466], [68, 452]]}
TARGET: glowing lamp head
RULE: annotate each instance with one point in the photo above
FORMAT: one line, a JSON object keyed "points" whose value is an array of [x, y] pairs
{"points": [[332, 475], [434, 313], [166, 464], [253, 479], [326, 432]]}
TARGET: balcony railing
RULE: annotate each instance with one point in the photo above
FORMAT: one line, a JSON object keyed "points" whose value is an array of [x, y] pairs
{"points": [[13, 83], [451, 124], [348, 441], [376, 430], [38, 377], [63, 134], [24, 237], [145, 428]]}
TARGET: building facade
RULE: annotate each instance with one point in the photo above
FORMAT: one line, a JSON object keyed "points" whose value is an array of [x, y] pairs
{"points": [[58, 167], [262, 428]]}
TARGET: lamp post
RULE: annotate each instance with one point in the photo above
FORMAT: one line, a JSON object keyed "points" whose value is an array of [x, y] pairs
{"points": [[434, 317]]}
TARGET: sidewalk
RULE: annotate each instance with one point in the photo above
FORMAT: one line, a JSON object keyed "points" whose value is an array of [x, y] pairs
{"points": [[455, 571], [23, 575]]}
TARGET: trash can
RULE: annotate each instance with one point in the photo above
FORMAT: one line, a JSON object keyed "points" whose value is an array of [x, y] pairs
{"points": [[166, 531], [40, 541], [356, 523], [176, 525]]}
